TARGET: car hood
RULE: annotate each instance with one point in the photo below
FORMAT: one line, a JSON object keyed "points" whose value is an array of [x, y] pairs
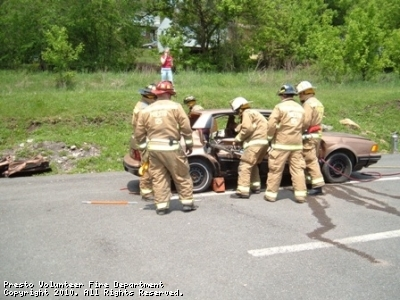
{"points": [[343, 135]]}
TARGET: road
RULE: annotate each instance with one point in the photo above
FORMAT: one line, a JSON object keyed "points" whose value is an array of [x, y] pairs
{"points": [[58, 244]]}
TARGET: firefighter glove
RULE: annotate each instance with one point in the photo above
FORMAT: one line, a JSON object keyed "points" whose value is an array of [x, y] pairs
{"points": [[189, 149], [143, 168]]}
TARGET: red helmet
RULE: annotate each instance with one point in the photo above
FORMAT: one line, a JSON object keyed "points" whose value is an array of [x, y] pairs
{"points": [[164, 87]]}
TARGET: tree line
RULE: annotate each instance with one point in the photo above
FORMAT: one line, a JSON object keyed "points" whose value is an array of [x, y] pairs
{"points": [[337, 38]]}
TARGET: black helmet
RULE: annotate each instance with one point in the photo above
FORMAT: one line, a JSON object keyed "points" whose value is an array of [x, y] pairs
{"points": [[147, 90], [287, 89], [188, 99]]}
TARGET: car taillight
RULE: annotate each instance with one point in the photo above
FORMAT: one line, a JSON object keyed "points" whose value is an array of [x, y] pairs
{"points": [[136, 155], [375, 148]]}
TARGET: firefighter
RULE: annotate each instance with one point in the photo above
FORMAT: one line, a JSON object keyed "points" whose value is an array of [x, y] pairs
{"points": [[145, 186], [159, 130], [253, 136], [314, 112], [285, 129], [190, 102]]}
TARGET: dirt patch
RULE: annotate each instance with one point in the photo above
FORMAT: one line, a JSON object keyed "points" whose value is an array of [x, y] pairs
{"points": [[61, 156]]}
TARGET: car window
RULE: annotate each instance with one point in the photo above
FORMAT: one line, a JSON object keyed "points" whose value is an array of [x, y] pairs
{"points": [[231, 124], [224, 126], [203, 121]]}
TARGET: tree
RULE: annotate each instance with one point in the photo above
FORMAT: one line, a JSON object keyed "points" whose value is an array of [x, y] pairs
{"points": [[107, 29], [391, 51], [281, 30], [61, 54], [205, 21], [21, 36], [327, 46], [363, 39]]}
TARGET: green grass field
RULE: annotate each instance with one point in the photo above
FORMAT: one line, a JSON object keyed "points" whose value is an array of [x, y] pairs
{"points": [[98, 110]]}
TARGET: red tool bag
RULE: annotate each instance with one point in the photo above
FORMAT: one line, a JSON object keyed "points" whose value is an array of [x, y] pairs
{"points": [[218, 184]]}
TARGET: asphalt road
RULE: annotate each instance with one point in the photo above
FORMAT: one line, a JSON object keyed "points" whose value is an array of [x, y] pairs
{"points": [[342, 245]]}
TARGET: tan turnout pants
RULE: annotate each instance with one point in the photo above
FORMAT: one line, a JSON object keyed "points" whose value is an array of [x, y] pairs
{"points": [[249, 174], [276, 163], [165, 165], [312, 166], [145, 184]]}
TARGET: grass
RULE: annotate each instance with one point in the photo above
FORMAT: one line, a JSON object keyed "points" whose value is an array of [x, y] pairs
{"points": [[98, 110]]}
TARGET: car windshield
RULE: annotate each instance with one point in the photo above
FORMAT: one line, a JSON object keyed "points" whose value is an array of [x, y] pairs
{"points": [[203, 119]]}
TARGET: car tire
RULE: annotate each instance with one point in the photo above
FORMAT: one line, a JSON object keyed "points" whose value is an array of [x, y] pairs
{"points": [[201, 173], [337, 168]]}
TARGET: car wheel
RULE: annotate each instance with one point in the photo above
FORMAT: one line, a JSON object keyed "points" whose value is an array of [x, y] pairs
{"points": [[337, 168], [201, 174]]}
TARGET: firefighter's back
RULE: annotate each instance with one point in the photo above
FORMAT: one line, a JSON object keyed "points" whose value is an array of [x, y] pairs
{"points": [[291, 124]]}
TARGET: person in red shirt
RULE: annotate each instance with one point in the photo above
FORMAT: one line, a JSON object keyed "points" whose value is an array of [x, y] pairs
{"points": [[167, 63]]}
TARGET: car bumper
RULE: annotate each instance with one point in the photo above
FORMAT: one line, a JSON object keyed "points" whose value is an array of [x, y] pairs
{"points": [[366, 161], [130, 165]]}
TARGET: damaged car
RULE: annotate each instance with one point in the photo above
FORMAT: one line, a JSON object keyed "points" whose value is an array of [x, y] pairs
{"points": [[215, 154]]}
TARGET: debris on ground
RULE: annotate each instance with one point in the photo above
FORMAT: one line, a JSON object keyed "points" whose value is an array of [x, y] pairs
{"points": [[62, 157], [10, 167], [350, 123]]}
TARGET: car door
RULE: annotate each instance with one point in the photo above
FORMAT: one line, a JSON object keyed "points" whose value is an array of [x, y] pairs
{"points": [[222, 146]]}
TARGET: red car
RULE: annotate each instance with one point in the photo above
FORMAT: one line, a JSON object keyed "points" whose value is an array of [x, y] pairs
{"points": [[215, 156]]}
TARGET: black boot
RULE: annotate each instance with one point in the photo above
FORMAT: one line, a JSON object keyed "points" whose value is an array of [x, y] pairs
{"points": [[187, 208], [162, 212], [315, 192]]}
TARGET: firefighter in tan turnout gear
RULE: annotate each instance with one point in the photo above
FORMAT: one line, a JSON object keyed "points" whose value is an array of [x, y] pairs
{"points": [[285, 128], [159, 130], [190, 102], [253, 135], [146, 189], [314, 112]]}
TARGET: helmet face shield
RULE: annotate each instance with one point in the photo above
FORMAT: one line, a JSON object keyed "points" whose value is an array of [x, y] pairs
{"points": [[150, 96]]}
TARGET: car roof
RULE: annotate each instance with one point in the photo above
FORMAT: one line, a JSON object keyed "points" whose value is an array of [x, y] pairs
{"points": [[205, 117]]}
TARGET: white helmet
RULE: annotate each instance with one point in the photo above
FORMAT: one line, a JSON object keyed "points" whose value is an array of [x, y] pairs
{"points": [[303, 86], [238, 102]]}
